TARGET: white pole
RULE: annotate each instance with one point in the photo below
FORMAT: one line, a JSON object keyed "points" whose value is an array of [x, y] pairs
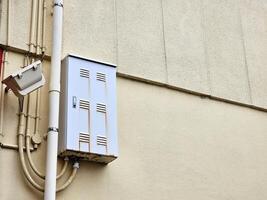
{"points": [[54, 92]]}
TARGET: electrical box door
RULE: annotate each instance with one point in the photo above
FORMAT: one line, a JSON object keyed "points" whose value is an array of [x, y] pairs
{"points": [[88, 121]]}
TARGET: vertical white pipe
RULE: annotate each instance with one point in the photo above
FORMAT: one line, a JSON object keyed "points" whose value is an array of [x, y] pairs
{"points": [[54, 92]]}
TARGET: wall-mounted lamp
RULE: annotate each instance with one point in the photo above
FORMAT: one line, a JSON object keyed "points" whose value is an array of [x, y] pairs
{"points": [[25, 80]]}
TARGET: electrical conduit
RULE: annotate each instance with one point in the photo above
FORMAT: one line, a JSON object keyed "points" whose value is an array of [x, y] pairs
{"points": [[3, 57], [43, 48], [34, 168], [39, 27]]}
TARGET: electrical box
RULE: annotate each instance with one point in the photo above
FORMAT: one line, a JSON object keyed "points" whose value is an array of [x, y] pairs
{"points": [[88, 121]]}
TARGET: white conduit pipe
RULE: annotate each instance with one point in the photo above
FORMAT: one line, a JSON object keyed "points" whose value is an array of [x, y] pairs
{"points": [[21, 131], [8, 22], [28, 136], [31, 47], [39, 51], [37, 112], [21, 136], [24, 167], [43, 27], [21, 153], [33, 24], [64, 168], [29, 113], [71, 178], [3, 93], [28, 122], [34, 168], [30, 159], [39, 26], [54, 95]]}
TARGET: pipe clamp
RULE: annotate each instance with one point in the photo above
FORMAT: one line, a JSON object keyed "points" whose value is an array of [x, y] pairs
{"points": [[54, 129], [58, 4]]}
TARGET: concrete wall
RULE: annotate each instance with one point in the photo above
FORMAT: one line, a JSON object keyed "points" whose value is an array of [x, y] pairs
{"points": [[173, 145]]}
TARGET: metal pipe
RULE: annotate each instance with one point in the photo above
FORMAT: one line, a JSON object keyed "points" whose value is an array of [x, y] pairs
{"points": [[64, 168], [33, 26], [33, 22], [30, 158], [71, 178], [24, 167], [10, 146], [37, 116], [21, 131], [2, 55], [34, 168], [28, 116], [37, 112], [13, 147], [21, 135], [38, 52], [31, 47], [54, 95], [43, 48], [21, 154], [3, 94], [39, 23], [8, 22]]}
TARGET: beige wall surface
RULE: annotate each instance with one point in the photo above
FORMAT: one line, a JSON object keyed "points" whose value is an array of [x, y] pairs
{"points": [[172, 145], [210, 46]]}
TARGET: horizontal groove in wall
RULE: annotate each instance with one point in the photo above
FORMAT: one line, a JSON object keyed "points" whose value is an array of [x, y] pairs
{"points": [[147, 81], [24, 52], [202, 95]]}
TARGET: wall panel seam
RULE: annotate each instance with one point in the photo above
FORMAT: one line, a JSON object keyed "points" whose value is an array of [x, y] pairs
{"points": [[245, 56], [164, 42]]}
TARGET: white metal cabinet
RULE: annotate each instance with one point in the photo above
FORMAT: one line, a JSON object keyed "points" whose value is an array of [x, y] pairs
{"points": [[88, 121]]}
